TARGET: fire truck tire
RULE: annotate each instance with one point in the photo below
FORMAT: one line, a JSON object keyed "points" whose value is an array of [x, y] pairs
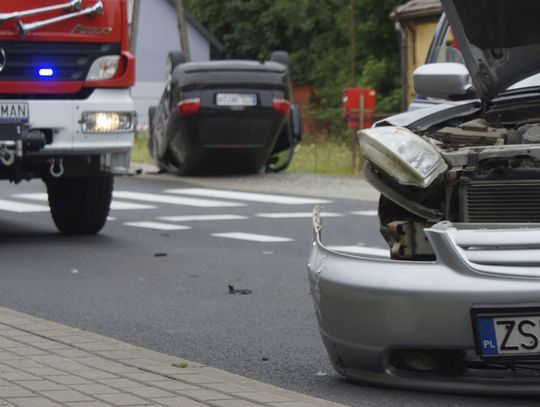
{"points": [[80, 206]]}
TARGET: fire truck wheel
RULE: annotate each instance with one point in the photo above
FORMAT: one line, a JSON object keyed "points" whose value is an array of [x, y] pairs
{"points": [[80, 206]]}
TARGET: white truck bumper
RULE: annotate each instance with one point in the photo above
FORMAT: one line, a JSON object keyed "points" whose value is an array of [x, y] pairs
{"points": [[62, 120]]}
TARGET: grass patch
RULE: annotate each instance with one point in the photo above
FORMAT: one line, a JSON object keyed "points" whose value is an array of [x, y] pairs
{"points": [[313, 155], [139, 152], [329, 157]]}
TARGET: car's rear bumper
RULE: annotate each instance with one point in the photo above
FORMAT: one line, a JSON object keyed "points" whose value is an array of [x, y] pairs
{"points": [[376, 313]]}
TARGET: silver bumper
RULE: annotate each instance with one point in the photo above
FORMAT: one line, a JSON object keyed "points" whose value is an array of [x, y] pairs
{"points": [[371, 309]]}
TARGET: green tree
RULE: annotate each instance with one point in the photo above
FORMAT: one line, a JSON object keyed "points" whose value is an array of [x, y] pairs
{"points": [[316, 33]]}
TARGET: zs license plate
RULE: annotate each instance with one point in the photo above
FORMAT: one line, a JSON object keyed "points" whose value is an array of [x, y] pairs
{"points": [[14, 112], [511, 335], [236, 99]]}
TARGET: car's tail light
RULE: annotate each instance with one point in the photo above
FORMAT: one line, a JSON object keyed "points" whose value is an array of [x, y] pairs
{"points": [[188, 107], [281, 106]]}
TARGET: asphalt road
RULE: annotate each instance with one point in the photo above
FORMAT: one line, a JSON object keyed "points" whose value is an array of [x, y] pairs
{"points": [[164, 285]]}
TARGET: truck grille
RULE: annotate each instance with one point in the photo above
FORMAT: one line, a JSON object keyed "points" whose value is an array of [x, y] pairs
{"points": [[501, 201], [70, 61]]}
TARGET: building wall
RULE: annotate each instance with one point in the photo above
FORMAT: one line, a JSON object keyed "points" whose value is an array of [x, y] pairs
{"points": [[157, 36], [419, 35]]}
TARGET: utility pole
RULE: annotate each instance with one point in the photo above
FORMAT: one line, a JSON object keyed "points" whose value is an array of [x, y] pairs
{"points": [[353, 46], [354, 143], [181, 16], [134, 25]]}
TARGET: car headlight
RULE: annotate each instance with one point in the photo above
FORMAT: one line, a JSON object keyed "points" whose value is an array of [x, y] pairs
{"points": [[403, 155], [108, 122], [103, 68]]}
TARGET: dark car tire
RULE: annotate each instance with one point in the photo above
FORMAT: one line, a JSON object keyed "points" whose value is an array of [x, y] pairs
{"points": [[281, 57], [270, 167], [152, 142], [151, 114], [179, 167], [174, 58], [80, 206]]}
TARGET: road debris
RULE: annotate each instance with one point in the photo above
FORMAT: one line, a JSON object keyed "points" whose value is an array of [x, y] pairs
{"points": [[232, 290]]}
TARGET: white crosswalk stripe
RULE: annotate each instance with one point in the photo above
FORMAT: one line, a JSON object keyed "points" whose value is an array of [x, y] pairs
{"points": [[246, 196], [361, 250], [157, 225], [252, 237], [38, 196], [115, 205], [174, 200], [365, 213], [293, 215], [126, 206], [195, 218], [20, 207]]}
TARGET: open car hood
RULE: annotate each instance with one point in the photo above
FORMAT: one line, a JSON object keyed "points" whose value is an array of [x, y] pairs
{"points": [[499, 40]]}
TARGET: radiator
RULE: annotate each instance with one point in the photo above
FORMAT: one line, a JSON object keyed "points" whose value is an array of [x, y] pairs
{"points": [[500, 201]]}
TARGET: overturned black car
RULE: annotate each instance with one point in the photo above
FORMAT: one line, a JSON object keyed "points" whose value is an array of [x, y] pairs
{"points": [[226, 116]]}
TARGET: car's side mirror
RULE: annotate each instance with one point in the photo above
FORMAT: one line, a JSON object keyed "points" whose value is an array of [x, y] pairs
{"points": [[442, 80]]}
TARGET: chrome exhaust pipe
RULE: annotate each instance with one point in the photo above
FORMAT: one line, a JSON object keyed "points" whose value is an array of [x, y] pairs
{"points": [[69, 6], [24, 29]]}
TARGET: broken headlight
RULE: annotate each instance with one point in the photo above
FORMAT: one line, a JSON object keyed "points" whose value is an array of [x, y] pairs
{"points": [[403, 155]]}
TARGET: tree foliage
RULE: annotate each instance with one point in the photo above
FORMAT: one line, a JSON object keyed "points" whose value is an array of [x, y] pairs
{"points": [[316, 33]]}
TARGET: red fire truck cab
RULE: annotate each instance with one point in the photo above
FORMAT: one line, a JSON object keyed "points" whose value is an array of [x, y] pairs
{"points": [[66, 114]]}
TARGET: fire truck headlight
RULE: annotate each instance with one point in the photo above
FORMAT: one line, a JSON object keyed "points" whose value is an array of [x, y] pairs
{"points": [[108, 122], [103, 68]]}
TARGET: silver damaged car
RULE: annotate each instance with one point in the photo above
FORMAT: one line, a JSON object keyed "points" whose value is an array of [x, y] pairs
{"points": [[456, 307]]}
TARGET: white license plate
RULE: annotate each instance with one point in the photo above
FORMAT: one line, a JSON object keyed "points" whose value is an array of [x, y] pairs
{"points": [[14, 112], [236, 99], [508, 335]]}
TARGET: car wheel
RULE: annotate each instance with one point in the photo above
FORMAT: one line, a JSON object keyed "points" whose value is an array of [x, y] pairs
{"points": [[179, 167], [153, 146], [151, 114], [281, 57], [174, 58], [80, 206], [280, 162]]}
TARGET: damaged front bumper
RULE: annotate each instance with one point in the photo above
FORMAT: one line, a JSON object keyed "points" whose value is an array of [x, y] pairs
{"points": [[408, 324]]}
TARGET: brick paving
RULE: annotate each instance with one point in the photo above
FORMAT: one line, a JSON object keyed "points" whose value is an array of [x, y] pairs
{"points": [[46, 364]]}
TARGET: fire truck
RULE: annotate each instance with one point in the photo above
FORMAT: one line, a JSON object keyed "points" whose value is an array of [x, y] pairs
{"points": [[66, 114]]}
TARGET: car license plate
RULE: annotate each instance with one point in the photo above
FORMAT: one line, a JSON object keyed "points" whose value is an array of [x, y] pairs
{"points": [[512, 335], [236, 99], [14, 112]]}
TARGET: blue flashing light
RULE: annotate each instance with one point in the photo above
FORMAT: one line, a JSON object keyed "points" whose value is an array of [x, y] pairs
{"points": [[46, 72]]}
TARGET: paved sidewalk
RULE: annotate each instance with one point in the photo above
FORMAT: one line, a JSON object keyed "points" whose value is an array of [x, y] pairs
{"points": [[45, 364]]}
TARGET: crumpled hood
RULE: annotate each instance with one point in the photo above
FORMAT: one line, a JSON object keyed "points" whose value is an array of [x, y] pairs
{"points": [[499, 40]]}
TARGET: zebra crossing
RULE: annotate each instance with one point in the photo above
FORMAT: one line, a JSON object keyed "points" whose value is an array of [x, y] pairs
{"points": [[145, 204]]}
